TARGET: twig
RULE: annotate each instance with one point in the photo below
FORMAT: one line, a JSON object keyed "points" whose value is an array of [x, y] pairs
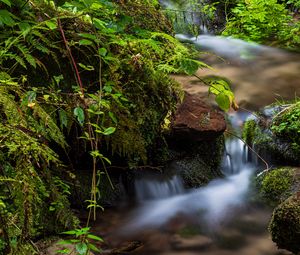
{"points": [[250, 148], [71, 56]]}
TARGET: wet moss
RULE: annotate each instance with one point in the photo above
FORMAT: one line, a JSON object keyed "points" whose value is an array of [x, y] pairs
{"points": [[285, 225], [276, 185]]}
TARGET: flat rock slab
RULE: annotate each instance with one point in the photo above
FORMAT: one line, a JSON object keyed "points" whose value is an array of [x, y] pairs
{"points": [[196, 121]]}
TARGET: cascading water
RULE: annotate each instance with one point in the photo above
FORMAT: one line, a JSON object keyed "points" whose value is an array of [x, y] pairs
{"points": [[156, 187], [160, 201]]}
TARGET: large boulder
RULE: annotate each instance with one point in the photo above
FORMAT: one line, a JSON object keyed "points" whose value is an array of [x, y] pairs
{"points": [[196, 121]]}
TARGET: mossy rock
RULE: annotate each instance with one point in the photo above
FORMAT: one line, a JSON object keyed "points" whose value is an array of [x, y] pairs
{"points": [[267, 144], [276, 185], [285, 225], [200, 163]]}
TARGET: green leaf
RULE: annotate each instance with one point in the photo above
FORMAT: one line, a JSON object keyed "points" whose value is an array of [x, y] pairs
{"points": [[88, 36], [99, 24], [93, 247], [63, 242], [109, 131], [81, 248], [79, 113], [7, 18], [63, 118], [97, 238], [24, 27], [51, 24], [217, 86], [6, 2], [87, 68], [223, 101], [189, 66], [102, 52], [85, 42], [113, 117], [70, 232]]}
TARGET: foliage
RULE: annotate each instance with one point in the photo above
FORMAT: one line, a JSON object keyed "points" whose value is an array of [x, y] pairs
{"points": [[87, 69], [263, 22], [286, 124], [249, 130], [82, 242]]}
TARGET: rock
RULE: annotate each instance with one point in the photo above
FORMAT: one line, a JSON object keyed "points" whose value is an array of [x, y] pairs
{"points": [[285, 225], [196, 121]]}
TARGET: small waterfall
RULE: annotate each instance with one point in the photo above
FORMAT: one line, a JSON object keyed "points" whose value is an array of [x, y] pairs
{"points": [[161, 199], [155, 187]]}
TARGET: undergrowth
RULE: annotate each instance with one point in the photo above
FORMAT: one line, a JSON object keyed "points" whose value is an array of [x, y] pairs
{"points": [[80, 76]]}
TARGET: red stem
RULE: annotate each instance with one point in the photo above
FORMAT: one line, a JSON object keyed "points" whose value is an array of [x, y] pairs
{"points": [[71, 55]]}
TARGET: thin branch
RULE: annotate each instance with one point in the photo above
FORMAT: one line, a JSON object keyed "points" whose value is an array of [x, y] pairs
{"points": [[250, 148], [71, 56]]}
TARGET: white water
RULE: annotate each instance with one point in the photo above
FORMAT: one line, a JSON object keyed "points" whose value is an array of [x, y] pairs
{"points": [[211, 204], [150, 187], [228, 47]]}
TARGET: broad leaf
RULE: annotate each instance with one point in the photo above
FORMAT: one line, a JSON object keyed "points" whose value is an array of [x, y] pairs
{"points": [[223, 101], [85, 42], [51, 24], [81, 248], [79, 114], [6, 2], [63, 118], [109, 131]]}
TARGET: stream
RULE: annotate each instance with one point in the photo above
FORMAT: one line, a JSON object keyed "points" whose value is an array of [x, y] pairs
{"points": [[223, 217]]}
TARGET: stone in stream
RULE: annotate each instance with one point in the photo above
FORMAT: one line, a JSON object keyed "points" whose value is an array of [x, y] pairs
{"points": [[196, 141], [196, 121]]}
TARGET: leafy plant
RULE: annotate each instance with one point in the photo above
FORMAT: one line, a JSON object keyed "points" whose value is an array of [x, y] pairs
{"points": [[259, 21], [82, 242]]}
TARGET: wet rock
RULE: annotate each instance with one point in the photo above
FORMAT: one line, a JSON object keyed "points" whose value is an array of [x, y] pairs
{"points": [[198, 162], [196, 121]]}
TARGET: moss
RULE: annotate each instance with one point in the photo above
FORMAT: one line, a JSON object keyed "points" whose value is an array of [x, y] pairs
{"points": [[202, 162], [249, 129], [286, 124], [285, 225], [268, 145], [276, 185]]}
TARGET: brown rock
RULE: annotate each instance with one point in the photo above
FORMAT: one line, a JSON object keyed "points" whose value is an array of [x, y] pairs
{"points": [[196, 121]]}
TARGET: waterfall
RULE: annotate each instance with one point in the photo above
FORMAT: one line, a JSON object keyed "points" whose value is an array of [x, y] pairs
{"points": [[161, 199], [154, 187]]}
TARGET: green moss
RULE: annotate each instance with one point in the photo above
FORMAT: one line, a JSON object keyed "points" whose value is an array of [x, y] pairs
{"points": [[286, 125], [276, 185], [285, 225], [249, 129]]}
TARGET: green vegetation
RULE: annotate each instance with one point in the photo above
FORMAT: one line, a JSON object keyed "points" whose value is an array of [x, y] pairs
{"points": [[286, 124], [276, 185], [268, 22], [86, 78]]}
